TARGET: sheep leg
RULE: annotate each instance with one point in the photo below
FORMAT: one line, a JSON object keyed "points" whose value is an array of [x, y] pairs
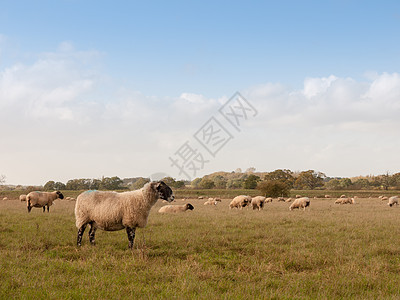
{"points": [[44, 208], [48, 207], [29, 208], [131, 236], [80, 234], [92, 233]]}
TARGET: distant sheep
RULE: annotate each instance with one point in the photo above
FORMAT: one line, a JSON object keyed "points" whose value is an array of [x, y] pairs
{"points": [[5, 199], [258, 202], [240, 201], [343, 196], [281, 199], [393, 200], [327, 196], [22, 197], [289, 200], [112, 211], [212, 201], [176, 208], [42, 199], [300, 203], [298, 196], [269, 199], [384, 198], [345, 201]]}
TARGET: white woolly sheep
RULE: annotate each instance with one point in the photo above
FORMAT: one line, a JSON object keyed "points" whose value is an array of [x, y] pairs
{"points": [[343, 196], [111, 211], [345, 201], [5, 199], [22, 197], [384, 198], [240, 201], [289, 200], [281, 199], [300, 203], [269, 199], [258, 202], [393, 200], [42, 199], [212, 201], [176, 208], [327, 196], [298, 196]]}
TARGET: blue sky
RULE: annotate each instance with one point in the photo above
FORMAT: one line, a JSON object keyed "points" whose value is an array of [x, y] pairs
{"points": [[129, 66]]}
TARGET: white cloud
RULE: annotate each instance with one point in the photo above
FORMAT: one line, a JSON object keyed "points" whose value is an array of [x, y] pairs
{"points": [[63, 115]]}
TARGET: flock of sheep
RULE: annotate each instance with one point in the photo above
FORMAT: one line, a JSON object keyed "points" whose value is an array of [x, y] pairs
{"points": [[111, 211]]}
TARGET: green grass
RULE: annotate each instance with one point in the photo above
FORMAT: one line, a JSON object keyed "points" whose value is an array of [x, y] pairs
{"points": [[327, 252]]}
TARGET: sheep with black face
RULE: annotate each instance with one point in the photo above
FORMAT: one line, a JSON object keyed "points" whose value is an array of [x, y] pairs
{"points": [[111, 211], [42, 199]]}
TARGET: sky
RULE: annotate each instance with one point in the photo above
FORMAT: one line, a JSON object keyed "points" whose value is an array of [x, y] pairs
{"points": [[187, 88]]}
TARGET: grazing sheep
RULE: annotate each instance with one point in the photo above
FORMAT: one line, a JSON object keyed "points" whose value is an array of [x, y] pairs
{"points": [[240, 201], [300, 203], [327, 196], [289, 200], [281, 199], [269, 199], [176, 208], [393, 200], [258, 202], [298, 196], [212, 201], [201, 197], [113, 211], [22, 197], [42, 199], [384, 198], [345, 201], [5, 199], [343, 196]]}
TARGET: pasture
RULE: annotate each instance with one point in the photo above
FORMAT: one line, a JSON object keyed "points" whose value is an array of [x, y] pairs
{"points": [[326, 252]]}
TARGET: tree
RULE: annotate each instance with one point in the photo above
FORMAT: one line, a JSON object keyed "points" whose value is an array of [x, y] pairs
{"points": [[345, 183], [195, 182], [220, 182], [285, 176], [333, 184], [250, 170], [59, 186], [139, 183], [273, 188], [234, 183], [309, 180], [206, 184], [361, 183], [49, 186], [113, 183], [2, 179], [251, 182]]}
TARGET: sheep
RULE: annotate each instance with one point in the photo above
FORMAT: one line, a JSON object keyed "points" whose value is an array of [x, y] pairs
{"points": [[258, 202], [42, 199], [5, 199], [240, 201], [201, 197], [269, 199], [345, 201], [289, 200], [281, 199], [298, 196], [111, 211], [176, 208], [343, 196], [327, 196], [300, 203], [212, 201], [393, 200], [384, 198], [22, 197]]}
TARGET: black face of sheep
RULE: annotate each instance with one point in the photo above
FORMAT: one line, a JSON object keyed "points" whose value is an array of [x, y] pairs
{"points": [[165, 192], [189, 206], [61, 196]]}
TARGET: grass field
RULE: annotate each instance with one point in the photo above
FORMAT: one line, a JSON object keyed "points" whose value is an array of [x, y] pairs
{"points": [[327, 252]]}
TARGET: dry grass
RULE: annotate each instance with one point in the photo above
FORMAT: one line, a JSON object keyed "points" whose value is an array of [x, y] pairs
{"points": [[329, 251]]}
